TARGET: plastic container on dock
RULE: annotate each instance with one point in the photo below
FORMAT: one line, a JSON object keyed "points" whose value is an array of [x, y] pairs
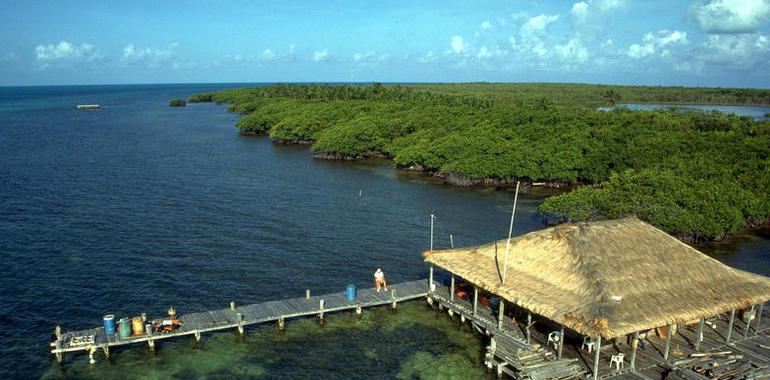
{"points": [[137, 325], [350, 292], [109, 324], [124, 328]]}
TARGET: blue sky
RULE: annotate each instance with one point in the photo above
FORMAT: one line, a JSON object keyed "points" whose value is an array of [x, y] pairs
{"points": [[688, 42]]}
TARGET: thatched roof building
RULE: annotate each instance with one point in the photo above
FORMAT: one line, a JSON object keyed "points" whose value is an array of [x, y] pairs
{"points": [[608, 278]]}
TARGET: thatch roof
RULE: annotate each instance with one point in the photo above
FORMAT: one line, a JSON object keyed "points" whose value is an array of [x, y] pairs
{"points": [[610, 278]]}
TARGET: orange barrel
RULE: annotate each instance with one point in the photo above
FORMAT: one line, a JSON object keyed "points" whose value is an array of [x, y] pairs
{"points": [[137, 325]]}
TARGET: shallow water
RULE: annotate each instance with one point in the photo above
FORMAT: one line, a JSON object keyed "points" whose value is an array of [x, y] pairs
{"points": [[141, 206], [756, 112]]}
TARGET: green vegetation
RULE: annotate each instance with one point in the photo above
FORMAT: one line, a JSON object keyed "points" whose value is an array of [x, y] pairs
{"points": [[694, 174], [177, 103], [199, 98]]}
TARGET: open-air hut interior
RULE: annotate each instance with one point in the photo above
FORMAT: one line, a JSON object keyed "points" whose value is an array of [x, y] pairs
{"points": [[607, 279]]}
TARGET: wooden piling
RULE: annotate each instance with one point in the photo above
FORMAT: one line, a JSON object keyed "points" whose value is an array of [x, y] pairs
{"points": [[669, 336], [150, 344], [321, 312], [634, 348], [197, 335], [748, 322], [393, 296], [307, 294], [759, 317], [239, 317], [452, 289], [700, 334], [561, 343], [500, 314], [529, 323], [281, 324], [232, 305], [730, 326], [106, 350], [475, 300], [597, 352]]}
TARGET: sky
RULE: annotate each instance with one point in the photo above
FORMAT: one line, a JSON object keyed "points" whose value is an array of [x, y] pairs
{"points": [[710, 43]]}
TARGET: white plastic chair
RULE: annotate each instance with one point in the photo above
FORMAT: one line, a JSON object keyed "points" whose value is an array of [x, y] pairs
{"points": [[554, 338], [587, 342], [618, 361]]}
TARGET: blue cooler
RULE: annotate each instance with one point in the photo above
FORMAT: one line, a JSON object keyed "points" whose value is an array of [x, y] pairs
{"points": [[109, 325], [350, 292]]}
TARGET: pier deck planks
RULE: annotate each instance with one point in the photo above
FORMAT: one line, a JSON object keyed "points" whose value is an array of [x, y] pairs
{"points": [[223, 319]]}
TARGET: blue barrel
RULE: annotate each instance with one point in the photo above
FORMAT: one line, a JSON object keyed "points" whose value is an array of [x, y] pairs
{"points": [[109, 324], [350, 292], [124, 329]]}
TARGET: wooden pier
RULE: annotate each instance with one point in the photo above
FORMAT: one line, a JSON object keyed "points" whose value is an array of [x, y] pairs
{"points": [[238, 317]]}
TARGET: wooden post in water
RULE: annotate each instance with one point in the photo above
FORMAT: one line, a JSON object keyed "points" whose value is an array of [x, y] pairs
{"points": [[359, 311], [239, 317], [634, 348], [106, 350], [150, 344], [281, 324], [597, 351], [670, 335], [430, 281], [452, 289], [393, 296], [232, 305], [759, 317], [321, 312], [59, 354], [500, 313], [197, 335], [748, 323], [700, 334], [561, 343], [475, 300], [529, 323], [730, 326], [307, 294]]}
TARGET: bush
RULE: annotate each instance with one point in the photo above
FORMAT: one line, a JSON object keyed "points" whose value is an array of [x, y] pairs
{"points": [[177, 103], [199, 98]]}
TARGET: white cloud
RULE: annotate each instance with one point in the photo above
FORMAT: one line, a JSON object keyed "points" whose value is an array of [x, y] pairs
{"points": [[572, 52], [149, 57], [657, 43], [369, 56], [580, 10], [540, 23], [606, 5], [486, 25], [321, 55], [734, 52], [458, 44], [731, 16], [429, 57], [267, 55], [65, 53]]}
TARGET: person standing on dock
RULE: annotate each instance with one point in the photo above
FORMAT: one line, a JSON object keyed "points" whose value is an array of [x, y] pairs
{"points": [[379, 279]]}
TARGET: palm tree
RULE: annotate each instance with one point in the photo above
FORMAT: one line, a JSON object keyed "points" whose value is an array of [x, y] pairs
{"points": [[611, 97]]}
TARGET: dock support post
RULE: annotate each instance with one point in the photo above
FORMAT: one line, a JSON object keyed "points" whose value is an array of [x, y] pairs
{"points": [[475, 300], [150, 343], [106, 350], [59, 355], [232, 305], [281, 324], [700, 334], [57, 332], [359, 311], [561, 343], [239, 316], [529, 323], [500, 313], [670, 335], [597, 351], [91, 352], [759, 317], [431, 287], [748, 323], [393, 296], [730, 326], [634, 348], [197, 335], [500, 370], [321, 312], [452, 289], [307, 294]]}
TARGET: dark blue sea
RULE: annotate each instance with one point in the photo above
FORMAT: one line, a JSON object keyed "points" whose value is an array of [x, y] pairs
{"points": [[141, 206]]}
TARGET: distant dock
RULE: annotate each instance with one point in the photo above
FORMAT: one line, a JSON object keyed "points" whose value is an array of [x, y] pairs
{"points": [[238, 317], [88, 107]]}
